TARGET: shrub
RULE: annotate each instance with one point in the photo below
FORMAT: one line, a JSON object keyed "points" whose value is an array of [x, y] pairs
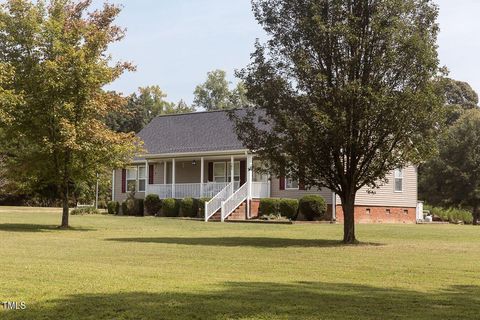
{"points": [[170, 207], [132, 207], [312, 207], [113, 207], [187, 208], [269, 206], [84, 211], [288, 208], [153, 204], [199, 206], [452, 215]]}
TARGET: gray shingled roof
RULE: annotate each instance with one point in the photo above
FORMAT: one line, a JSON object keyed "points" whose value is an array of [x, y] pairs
{"points": [[190, 132]]}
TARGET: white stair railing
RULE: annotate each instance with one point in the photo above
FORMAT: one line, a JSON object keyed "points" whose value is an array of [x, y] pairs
{"points": [[215, 203], [235, 200]]}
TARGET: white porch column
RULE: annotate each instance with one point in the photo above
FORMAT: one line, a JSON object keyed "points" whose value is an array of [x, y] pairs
{"points": [[147, 177], [232, 172], [173, 178], [164, 172], [201, 176], [249, 183]]}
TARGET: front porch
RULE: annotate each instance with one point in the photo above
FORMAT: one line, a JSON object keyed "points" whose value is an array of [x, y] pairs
{"points": [[203, 177]]}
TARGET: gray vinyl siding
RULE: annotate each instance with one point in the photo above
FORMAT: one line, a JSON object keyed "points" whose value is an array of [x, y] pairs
{"points": [[386, 196], [297, 194], [119, 196]]}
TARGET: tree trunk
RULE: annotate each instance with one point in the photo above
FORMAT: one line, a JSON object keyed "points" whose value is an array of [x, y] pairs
{"points": [[348, 206], [475, 214], [65, 214]]}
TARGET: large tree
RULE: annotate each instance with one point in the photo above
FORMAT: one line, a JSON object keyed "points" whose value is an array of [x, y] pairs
{"points": [[58, 54], [142, 107], [215, 93], [459, 96], [453, 177], [346, 91]]}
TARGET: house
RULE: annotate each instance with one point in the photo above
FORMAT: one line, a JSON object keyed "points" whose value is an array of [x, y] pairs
{"points": [[199, 155]]}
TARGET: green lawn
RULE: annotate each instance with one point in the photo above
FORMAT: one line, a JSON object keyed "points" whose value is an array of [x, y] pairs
{"points": [[156, 268]]}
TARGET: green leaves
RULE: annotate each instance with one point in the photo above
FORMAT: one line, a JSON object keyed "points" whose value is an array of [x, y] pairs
{"points": [[57, 54], [215, 94]]}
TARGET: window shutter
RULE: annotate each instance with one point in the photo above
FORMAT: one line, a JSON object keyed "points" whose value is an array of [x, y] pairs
{"points": [[210, 171], [282, 183], [124, 180], [151, 173], [243, 172], [301, 185]]}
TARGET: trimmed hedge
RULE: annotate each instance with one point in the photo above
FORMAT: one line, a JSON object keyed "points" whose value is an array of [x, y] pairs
{"points": [[269, 206], [288, 208], [187, 208], [132, 207], [312, 207], [153, 204], [199, 206], [113, 207], [171, 207]]}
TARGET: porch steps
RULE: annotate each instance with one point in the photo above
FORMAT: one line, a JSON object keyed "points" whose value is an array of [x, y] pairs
{"points": [[239, 214]]}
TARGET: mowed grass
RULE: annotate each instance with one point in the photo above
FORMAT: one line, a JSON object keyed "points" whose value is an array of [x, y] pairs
{"points": [[158, 268]]}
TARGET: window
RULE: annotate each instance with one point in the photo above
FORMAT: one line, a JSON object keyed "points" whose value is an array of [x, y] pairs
{"points": [[398, 180], [142, 178], [387, 211], [367, 211], [236, 171], [219, 172], [291, 184], [259, 176], [136, 179], [132, 179]]}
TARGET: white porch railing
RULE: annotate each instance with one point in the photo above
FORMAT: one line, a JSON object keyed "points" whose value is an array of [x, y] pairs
{"points": [[232, 203], [215, 203], [260, 190], [186, 190], [163, 191]]}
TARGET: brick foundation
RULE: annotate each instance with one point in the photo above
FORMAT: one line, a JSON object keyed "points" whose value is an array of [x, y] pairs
{"points": [[254, 203], [372, 214]]}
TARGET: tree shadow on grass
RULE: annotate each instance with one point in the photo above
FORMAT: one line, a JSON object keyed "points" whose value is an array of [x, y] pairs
{"points": [[234, 300], [260, 242], [24, 227]]}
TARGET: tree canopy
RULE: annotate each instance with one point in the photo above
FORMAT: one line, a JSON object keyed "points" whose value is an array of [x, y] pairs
{"points": [[215, 93], [142, 107], [453, 177], [347, 91], [459, 96], [57, 53]]}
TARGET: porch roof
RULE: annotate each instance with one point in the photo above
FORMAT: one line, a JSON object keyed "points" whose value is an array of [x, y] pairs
{"points": [[190, 133]]}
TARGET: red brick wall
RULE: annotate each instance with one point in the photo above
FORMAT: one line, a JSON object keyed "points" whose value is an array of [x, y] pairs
{"points": [[254, 208], [380, 214]]}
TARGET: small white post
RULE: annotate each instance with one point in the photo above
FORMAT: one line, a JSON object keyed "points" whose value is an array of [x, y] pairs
{"points": [[205, 212], [173, 178], [113, 185], [232, 172], [96, 194], [201, 176], [334, 206]]}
